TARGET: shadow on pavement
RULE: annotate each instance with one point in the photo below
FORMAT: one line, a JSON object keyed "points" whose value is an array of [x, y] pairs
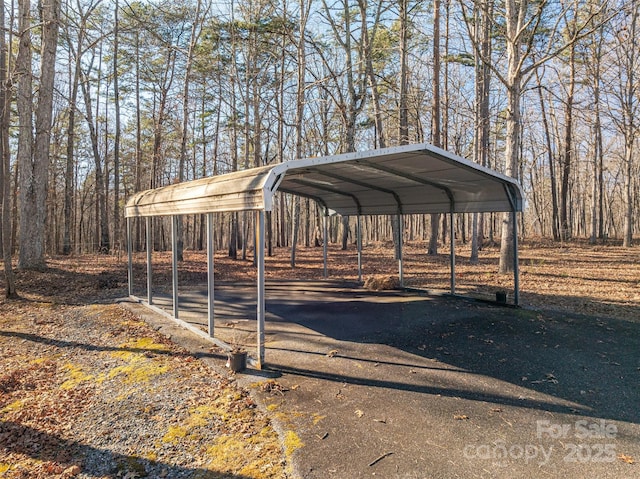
{"points": [[593, 362]]}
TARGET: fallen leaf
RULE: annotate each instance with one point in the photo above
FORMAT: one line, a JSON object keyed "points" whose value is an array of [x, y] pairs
{"points": [[359, 413], [625, 458], [72, 471]]}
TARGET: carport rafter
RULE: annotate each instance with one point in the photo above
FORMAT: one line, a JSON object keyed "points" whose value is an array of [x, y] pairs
{"points": [[329, 189], [364, 184]]}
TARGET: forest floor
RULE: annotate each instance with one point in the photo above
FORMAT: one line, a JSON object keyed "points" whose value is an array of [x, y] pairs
{"points": [[87, 389]]}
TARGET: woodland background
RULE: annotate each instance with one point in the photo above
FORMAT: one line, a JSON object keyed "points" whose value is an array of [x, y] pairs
{"points": [[100, 99]]}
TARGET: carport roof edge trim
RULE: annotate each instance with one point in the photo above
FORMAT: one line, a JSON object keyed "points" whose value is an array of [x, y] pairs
{"points": [[482, 190]]}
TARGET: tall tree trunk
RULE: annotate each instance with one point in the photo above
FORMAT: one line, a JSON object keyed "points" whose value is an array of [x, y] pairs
{"points": [[101, 206], [5, 165], [514, 14], [233, 78], [555, 221], [70, 160], [371, 75], [304, 6], [596, 200], [631, 97], [567, 157], [432, 250], [32, 183], [193, 40], [351, 98], [116, 141], [403, 107], [482, 34], [138, 167]]}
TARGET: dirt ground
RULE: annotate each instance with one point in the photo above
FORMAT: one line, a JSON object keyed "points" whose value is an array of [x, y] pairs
{"points": [[89, 390]]}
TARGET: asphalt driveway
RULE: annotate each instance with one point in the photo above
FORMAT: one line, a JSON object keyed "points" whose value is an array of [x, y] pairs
{"points": [[403, 385]]}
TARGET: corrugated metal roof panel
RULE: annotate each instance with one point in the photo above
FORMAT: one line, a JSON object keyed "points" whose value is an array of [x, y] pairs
{"points": [[406, 179]]}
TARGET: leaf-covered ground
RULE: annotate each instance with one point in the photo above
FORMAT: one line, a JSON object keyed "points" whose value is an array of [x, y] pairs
{"points": [[89, 390]]}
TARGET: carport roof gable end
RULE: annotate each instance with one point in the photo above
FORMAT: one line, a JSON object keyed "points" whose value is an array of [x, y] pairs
{"points": [[250, 189], [408, 179]]}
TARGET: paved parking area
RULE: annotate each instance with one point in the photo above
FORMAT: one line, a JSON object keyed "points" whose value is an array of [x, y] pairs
{"points": [[402, 385]]}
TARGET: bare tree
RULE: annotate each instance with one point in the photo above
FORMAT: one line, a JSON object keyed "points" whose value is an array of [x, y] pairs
{"points": [[5, 165], [104, 243], [196, 29], [482, 34], [627, 95], [33, 153], [118, 128], [301, 46], [436, 115], [525, 51]]}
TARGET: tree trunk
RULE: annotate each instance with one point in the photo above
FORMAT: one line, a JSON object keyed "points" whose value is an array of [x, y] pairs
{"points": [[432, 249], [514, 16], [185, 119], [555, 221], [373, 82], [5, 166], [567, 157], [403, 129], [512, 158], [70, 161], [138, 167], [482, 34], [304, 6], [101, 202], [116, 142], [596, 199], [631, 98], [32, 183]]}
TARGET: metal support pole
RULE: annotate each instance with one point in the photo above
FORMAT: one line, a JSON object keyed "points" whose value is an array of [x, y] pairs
{"points": [[260, 279], [174, 264], [400, 262], [325, 235], [452, 258], [129, 258], [359, 242], [149, 269], [210, 275], [516, 267]]}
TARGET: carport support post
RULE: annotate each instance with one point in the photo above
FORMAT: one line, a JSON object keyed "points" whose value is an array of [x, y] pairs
{"points": [[452, 258], [174, 263], [359, 242], [516, 267], [210, 273], [325, 235], [129, 258], [261, 302], [400, 266], [149, 269]]}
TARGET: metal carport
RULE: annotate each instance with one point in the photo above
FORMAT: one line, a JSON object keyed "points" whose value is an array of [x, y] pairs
{"points": [[392, 181]]}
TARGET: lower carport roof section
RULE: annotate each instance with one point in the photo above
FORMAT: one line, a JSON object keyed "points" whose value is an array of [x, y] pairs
{"points": [[400, 180]]}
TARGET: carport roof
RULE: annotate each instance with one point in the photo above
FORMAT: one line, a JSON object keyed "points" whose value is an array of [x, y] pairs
{"points": [[400, 180]]}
